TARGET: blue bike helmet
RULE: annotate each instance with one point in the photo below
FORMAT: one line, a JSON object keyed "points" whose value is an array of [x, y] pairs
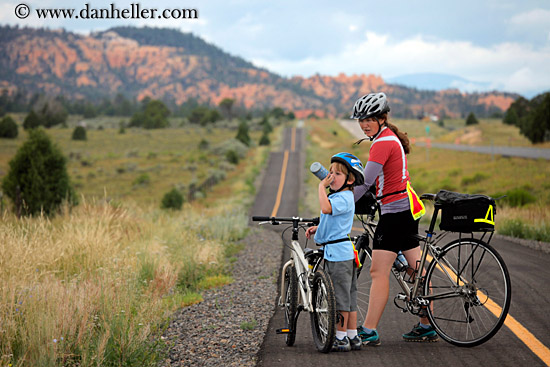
{"points": [[353, 165]]}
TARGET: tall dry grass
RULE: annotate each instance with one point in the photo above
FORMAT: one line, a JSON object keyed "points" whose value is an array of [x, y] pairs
{"points": [[90, 287]]}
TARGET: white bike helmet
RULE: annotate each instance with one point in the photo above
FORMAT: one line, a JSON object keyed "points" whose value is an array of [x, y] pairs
{"points": [[370, 105]]}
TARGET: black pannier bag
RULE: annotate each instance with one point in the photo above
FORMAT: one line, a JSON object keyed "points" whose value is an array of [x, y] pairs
{"points": [[465, 213], [367, 204]]}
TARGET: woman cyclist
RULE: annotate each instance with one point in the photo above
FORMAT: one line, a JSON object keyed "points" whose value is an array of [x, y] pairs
{"points": [[400, 210]]}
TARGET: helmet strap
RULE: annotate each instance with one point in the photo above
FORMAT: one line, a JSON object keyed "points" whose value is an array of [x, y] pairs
{"points": [[343, 186], [379, 129]]}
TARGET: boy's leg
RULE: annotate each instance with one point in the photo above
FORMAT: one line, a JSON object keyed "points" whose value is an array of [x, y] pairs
{"points": [[352, 320], [344, 321]]}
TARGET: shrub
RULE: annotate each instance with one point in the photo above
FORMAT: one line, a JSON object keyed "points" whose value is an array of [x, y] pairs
{"points": [[173, 199], [38, 178], [264, 140], [519, 197], [231, 144], [232, 157], [204, 144], [8, 128], [142, 180], [476, 178], [79, 133]]}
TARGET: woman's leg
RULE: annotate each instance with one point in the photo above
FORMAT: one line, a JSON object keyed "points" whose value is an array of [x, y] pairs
{"points": [[413, 256], [382, 261]]}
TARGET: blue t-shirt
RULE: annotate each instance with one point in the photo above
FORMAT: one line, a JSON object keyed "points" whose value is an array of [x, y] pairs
{"points": [[336, 226]]}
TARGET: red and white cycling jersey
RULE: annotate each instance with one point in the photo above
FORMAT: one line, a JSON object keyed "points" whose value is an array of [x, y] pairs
{"points": [[387, 150]]}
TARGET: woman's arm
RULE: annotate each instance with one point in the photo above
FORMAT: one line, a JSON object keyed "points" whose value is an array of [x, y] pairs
{"points": [[372, 170]]}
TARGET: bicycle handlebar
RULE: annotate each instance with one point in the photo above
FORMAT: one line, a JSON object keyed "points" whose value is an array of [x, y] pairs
{"points": [[274, 220]]}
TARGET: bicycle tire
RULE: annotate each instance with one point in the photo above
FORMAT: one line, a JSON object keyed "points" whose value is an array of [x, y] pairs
{"points": [[364, 281], [323, 315], [477, 304], [290, 304]]}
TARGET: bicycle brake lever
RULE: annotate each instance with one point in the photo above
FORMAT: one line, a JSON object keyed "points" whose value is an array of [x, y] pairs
{"points": [[275, 223]]}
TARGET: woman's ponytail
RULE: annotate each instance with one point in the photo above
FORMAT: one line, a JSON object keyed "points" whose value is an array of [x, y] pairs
{"points": [[403, 137]]}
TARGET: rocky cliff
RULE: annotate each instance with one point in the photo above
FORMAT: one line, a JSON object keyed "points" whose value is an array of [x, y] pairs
{"points": [[167, 64]]}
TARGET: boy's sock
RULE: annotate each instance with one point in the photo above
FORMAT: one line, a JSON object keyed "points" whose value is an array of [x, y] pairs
{"points": [[340, 334], [424, 326], [352, 333]]}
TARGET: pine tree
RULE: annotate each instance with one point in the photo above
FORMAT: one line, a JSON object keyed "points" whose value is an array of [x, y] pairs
{"points": [[242, 134], [79, 133], [471, 119], [38, 179], [32, 121], [8, 128]]}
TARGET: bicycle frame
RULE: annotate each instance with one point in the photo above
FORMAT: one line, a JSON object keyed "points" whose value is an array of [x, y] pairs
{"points": [[413, 296], [303, 273]]}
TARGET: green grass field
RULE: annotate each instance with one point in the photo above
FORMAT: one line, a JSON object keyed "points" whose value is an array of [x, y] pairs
{"points": [[95, 284]]}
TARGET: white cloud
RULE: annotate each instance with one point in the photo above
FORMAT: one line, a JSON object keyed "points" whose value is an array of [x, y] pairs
{"points": [[535, 17], [510, 66]]}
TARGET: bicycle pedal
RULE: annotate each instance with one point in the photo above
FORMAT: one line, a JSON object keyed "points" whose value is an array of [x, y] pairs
{"points": [[283, 331]]}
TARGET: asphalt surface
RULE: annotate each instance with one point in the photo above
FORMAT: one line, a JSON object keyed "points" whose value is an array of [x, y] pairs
{"points": [[529, 271]]}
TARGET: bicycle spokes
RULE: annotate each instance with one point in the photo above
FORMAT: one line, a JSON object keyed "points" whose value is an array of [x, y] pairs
{"points": [[469, 290]]}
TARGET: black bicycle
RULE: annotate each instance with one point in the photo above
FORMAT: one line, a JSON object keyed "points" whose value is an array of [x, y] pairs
{"points": [[463, 287]]}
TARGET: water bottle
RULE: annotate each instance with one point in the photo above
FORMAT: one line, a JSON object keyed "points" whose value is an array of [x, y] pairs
{"points": [[318, 170], [400, 262]]}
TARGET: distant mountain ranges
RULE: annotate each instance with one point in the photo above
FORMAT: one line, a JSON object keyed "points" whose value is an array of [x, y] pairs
{"points": [[170, 65]]}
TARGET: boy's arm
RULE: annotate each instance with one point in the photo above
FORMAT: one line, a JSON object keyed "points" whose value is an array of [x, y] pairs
{"points": [[326, 207]]}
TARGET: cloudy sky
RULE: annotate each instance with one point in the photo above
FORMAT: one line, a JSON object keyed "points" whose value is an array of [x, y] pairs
{"points": [[490, 44]]}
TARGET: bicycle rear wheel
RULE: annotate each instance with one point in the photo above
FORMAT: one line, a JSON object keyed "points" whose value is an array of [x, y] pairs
{"points": [[323, 315], [363, 279], [290, 303], [469, 288]]}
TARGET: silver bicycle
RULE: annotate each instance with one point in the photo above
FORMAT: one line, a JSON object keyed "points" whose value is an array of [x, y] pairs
{"points": [[305, 286], [463, 287]]}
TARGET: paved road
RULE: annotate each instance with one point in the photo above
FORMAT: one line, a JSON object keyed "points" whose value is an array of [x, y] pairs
{"points": [[529, 271], [522, 152]]}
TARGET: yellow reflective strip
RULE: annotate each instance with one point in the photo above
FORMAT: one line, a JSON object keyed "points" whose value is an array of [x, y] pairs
{"points": [[486, 219]]}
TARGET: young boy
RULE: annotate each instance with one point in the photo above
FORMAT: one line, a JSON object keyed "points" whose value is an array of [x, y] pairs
{"points": [[337, 210]]}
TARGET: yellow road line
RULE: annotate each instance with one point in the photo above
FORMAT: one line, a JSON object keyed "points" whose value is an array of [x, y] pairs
{"points": [[293, 140], [281, 185], [515, 327]]}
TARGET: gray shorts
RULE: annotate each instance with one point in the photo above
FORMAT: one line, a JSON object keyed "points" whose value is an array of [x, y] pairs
{"points": [[344, 279]]}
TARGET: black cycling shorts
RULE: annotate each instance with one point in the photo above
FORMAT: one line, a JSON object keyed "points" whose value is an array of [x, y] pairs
{"points": [[394, 231]]}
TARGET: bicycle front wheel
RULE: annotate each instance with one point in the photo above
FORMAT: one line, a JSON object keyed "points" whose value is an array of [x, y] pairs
{"points": [[469, 289], [323, 314], [290, 303]]}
